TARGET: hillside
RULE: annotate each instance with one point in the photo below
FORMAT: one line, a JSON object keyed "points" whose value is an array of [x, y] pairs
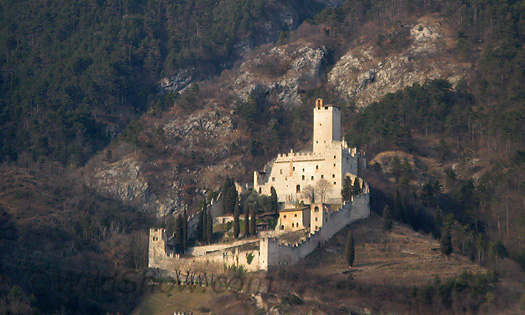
{"points": [[116, 115], [399, 272]]}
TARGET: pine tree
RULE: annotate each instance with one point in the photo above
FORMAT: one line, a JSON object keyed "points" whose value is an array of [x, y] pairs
{"points": [[350, 249], [387, 218], [253, 223], [236, 227], [446, 241], [246, 221], [274, 201]]}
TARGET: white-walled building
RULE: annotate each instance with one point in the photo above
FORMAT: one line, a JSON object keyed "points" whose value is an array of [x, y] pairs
{"points": [[294, 175]]}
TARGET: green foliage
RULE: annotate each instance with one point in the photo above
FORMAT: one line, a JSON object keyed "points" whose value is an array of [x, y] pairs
{"points": [[75, 73], [387, 124], [350, 249], [249, 258]]}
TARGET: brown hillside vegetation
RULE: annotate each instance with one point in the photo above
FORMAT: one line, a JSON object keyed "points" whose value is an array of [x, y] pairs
{"points": [[400, 272]]}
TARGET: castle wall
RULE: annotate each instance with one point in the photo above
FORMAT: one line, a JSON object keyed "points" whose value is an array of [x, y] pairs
{"points": [[358, 208], [259, 254]]}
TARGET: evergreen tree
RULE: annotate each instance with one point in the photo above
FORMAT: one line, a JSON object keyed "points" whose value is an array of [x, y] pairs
{"points": [[209, 228], [387, 218], [229, 195], [236, 226], [356, 189], [178, 235], [350, 249], [246, 221], [446, 241], [253, 223], [274, 201], [204, 236], [185, 230], [346, 191]]}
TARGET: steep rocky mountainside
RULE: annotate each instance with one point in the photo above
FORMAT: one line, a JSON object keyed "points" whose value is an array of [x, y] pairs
{"points": [[180, 152], [368, 71]]}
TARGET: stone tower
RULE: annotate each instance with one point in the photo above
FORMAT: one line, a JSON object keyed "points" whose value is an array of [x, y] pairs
{"points": [[327, 125]]}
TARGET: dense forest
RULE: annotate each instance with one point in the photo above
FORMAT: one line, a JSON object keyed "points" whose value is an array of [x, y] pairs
{"points": [[74, 75]]}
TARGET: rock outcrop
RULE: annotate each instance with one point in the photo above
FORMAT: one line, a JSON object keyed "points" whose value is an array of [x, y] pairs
{"points": [[365, 73], [282, 72]]}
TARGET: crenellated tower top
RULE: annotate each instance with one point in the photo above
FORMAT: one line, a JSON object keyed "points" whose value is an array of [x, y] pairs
{"points": [[327, 125]]}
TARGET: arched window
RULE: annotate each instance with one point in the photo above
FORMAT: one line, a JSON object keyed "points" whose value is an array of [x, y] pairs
{"points": [[298, 189], [316, 209], [260, 190]]}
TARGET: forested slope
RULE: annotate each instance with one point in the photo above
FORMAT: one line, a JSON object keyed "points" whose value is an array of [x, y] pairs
{"points": [[73, 75]]}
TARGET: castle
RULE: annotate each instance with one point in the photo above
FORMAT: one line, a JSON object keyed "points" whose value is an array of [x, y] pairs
{"points": [[308, 186], [330, 160]]}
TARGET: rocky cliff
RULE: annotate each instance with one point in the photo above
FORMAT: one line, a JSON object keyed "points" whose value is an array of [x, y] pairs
{"points": [[409, 54]]}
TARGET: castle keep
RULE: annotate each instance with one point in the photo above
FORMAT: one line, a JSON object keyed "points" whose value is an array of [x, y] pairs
{"points": [[308, 186], [330, 160]]}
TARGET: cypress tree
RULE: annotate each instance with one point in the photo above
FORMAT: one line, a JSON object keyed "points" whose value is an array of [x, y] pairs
{"points": [[204, 225], [185, 230], [209, 228], [200, 225], [387, 218], [350, 249], [236, 227], [274, 201], [357, 187], [346, 191], [178, 234], [446, 241], [246, 220], [253, 223]]}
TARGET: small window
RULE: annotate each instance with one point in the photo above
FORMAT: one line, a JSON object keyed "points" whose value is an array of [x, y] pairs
{"points": [[303, 169], [322, 176], [334, 164], [280, 171], [317, 167], [284, 216], [315, 219], [316, 209], [335, 156], [316, 141], [260, 190], [282, 227], [273, 179], [326, 107], [303, 177], [293, 168], [292, 224], [333, 175], [298, 188], [312, 178], [295, 215]]}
